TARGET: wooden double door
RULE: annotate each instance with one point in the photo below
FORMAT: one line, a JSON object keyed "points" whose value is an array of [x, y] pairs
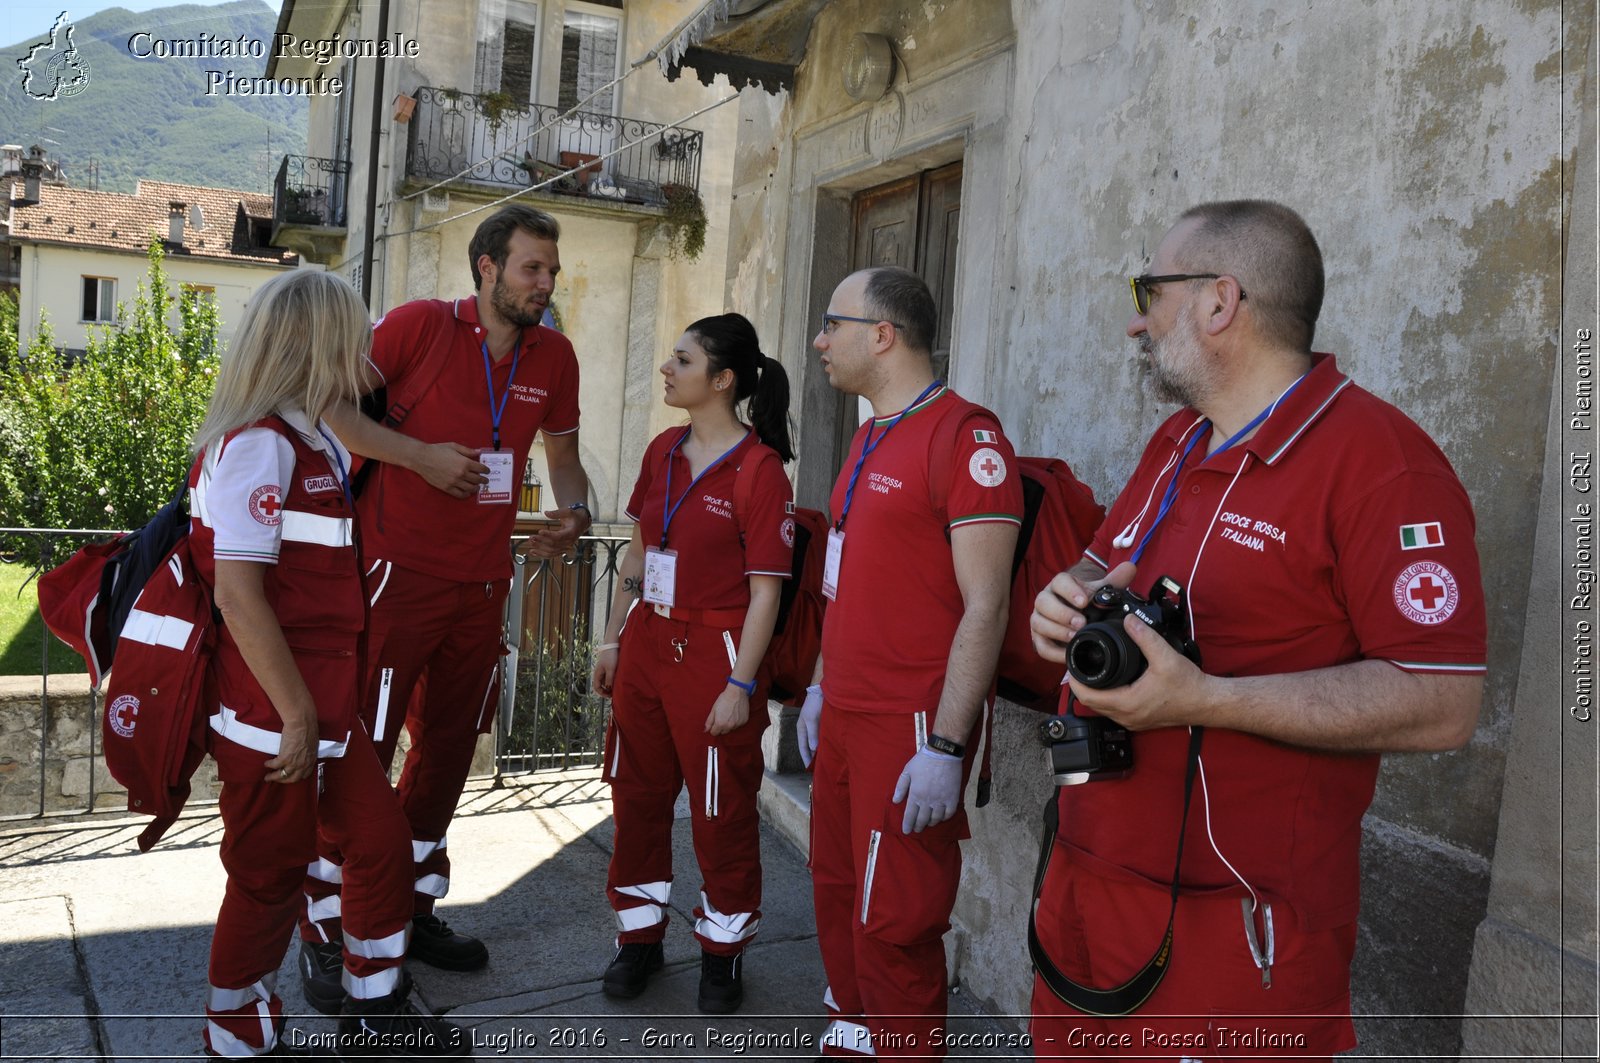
{"points": [[914, 223]]}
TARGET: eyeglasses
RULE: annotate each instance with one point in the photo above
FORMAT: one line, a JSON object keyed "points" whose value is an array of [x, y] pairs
{"points": [[1143, 284], [831, 322]]}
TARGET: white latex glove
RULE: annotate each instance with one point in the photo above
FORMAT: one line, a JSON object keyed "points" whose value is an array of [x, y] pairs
{"points": [[930, 786], [808, 729]]}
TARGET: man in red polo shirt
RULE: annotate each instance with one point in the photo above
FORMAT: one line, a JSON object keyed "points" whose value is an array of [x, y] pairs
{"points": [[438, 565], [925, 518], [1325, 549]]}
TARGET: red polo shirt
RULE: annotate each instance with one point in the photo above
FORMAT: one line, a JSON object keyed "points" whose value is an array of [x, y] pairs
{"points": [[886, 636], [403, 519], [720, 542], [1338, 533]]}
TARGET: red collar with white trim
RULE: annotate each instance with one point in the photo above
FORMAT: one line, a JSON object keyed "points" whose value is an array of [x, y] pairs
{"points": [[1300, 410]]}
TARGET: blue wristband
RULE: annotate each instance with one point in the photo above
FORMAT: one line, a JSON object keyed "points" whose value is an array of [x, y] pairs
{"points": [[748, 688]]}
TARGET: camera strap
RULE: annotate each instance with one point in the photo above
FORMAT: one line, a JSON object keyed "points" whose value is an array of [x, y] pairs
{"points": [[1129, 996]]}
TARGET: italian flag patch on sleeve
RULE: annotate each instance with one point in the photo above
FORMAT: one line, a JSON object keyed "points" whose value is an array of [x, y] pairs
{"points": [[981, 436], [1421, 536]]}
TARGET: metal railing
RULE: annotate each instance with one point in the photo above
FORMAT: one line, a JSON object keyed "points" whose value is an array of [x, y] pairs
{"points": [[37, 549], [517, 145], [549, 719], [549, 716], [310, 191]]}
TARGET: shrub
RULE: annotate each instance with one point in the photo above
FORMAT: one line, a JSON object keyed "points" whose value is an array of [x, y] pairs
{"points": [[102, 440]]}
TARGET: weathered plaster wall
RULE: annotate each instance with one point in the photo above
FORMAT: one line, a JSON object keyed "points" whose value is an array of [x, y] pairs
{"points": [[1422, 142]]}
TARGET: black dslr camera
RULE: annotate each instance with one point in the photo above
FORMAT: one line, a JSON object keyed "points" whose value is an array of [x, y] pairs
{"points": [[1102, 656]]}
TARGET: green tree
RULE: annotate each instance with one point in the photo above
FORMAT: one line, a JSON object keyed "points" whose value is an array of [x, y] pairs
{"points": [[101, 441]]}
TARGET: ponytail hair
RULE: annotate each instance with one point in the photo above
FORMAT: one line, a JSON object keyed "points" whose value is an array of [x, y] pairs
{"points": [[730, 342]]}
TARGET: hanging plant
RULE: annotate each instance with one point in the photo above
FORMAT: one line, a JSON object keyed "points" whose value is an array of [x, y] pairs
{"points": [[685, 220], [494, 106]]}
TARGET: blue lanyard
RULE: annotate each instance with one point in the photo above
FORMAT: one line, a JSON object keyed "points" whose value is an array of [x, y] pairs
{"points": [[338, 464], [1172, 485], [668, 512], [498, 411], [872, 444]]}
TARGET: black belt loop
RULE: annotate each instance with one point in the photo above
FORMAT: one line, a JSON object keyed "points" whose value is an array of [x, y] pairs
{"points": [[1129, 996]]}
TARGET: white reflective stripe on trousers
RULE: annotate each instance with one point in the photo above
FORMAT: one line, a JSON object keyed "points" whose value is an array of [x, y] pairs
{"points": [[392, 947], [218, 999], [639, 917], [849, 1037], [322, 908], [730, 928], [229, 1046], [420, 851], [325, 870], [433, 885], [372, 986]]}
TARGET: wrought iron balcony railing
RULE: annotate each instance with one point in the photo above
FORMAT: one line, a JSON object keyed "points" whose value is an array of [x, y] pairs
{"points": [[310, 191], [517, 145]]}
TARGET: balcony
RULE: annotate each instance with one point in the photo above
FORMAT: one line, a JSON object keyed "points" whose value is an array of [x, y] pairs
{"points": [[308, 206], [458, 136]]}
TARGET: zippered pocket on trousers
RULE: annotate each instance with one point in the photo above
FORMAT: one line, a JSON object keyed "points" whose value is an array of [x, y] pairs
{"points": [[872, 867]]}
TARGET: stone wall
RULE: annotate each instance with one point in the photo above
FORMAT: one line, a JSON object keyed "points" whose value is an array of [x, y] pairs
{"points": [[69, 751]]}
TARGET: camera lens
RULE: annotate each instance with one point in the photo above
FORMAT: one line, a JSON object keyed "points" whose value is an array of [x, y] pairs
{"points": [[1101, 656]]}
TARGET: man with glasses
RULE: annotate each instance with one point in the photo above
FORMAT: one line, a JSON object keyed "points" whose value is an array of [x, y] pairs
{"points": [[925, 518], [1325, 549]]}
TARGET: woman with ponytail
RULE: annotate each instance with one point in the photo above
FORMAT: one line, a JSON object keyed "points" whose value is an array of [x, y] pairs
{"points": [[712, 542]]}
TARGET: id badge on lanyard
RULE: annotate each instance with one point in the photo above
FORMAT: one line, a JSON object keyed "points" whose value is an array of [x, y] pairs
{"points": [[497, 489], [660, 576], [830, 564], [500, 486]]}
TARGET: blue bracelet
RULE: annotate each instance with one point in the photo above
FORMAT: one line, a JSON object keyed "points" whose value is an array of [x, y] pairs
{"points": [[748, 688]]}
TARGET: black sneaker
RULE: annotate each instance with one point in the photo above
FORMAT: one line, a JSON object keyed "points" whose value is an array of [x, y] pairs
{"points": [[630, 971], [434, 943], [392, 1027], [322, 975], [721, 982]]}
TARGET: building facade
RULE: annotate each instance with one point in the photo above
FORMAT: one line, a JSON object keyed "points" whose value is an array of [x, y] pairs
{"points": [[502, 96], [1026, 156], [77, 254]]}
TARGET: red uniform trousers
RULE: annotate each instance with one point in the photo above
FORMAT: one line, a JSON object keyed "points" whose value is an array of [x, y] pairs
{"points": [[669, 673], [450, 632], [883, 897], [270, 831], [1099, 926]]}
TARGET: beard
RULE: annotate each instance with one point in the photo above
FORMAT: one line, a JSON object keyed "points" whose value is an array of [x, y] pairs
{"points": [[1173, 362], [511, 311]]}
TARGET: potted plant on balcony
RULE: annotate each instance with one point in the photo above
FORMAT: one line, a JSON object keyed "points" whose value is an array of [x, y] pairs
{"points": [[685, 219], [303, 206], [494, 106]]}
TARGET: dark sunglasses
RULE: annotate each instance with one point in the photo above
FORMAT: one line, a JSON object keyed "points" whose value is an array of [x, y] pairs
{"points": [[1143, 284]]}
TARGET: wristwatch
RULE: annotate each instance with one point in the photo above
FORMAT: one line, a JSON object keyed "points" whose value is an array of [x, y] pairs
{"points": [[943, 745]]}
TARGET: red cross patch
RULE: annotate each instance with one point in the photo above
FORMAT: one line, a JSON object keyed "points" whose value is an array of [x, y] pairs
{"points": [[987, 467], [1426, 593], [786, 530], [266, 504], [122, 714]]}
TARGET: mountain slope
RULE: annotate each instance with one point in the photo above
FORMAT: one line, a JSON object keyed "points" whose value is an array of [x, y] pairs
{"points": [[151, 117]]}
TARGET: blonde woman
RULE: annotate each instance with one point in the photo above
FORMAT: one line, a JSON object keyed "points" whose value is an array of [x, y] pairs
{"points": [[273, 538]]}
